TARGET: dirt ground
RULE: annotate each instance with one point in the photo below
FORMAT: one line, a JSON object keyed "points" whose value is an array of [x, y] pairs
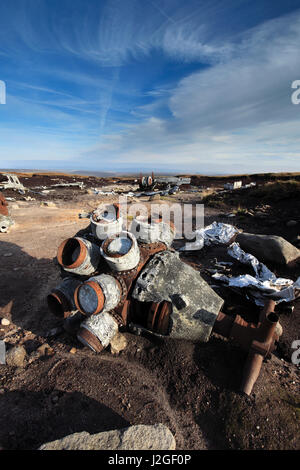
{"points": [[192, 388]]}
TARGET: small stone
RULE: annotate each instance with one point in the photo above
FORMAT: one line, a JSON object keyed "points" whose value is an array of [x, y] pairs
{"points": [[5, 322], [118, 343], [48, 204], [155, 197], [16, 356], [7, 254], [291, 223], [45, 350], [73, 351]]}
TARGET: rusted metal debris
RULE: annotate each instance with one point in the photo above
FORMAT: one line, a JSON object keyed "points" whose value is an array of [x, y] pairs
{"points": [[5, 220], [150, 182], [140, 284], [11, 182]]}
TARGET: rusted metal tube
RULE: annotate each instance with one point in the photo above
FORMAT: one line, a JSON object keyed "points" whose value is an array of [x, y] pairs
{"points": [[147, 231], [97, 331], [251, 371], [121, 251], [98, 294], [107, 221], [268, 307], [61, 298], [258, 340], [79, 256], [223, 325]]}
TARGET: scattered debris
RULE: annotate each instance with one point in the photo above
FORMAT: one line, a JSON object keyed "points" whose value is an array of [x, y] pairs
{"points": [[141, 285], [234, 185], [12, 182], [216, 233], [264, 285]]}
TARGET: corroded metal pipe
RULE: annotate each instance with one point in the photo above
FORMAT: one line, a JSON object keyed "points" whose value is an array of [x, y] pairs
{"points": [[121, 251], [107, 221], [79, 256], [97, 331], [98, 294], [260, 349], [61, 298], [258, 340], [151, 231]]}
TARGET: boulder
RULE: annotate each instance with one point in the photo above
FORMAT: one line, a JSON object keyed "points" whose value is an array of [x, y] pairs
{"points": [[140, 437], [16, 356], [268, 248]]}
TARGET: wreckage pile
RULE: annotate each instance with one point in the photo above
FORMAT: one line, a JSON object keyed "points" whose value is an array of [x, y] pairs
{"points": [[134, 281]]}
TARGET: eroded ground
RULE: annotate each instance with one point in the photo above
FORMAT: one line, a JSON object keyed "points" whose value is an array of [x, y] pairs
{"points": [[192, 388]]}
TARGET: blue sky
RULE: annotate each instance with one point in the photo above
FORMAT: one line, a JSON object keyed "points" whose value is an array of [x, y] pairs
{"points": [[130, 85]]}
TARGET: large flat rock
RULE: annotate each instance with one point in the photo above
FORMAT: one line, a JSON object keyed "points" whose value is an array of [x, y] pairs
{"points": [[140, 437]]}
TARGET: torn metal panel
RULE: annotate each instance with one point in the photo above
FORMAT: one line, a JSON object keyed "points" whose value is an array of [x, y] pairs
{"points": [[263, 284], [195, 304], [215, 234]]}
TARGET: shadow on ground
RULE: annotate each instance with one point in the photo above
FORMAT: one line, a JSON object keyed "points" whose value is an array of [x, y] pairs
{"points": [[29, 419]]}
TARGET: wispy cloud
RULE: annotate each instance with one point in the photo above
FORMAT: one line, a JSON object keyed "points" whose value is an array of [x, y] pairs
{"points": [[146, 83]]}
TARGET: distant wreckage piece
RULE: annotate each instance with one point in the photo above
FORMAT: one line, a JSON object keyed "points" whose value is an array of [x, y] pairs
{"points": [[150, 182]]}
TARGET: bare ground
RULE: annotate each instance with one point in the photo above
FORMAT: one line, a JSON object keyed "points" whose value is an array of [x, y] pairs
{"points": [[192, 388]]}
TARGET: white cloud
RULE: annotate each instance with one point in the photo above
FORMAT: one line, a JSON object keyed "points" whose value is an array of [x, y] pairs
{"points": [[237, 113]]}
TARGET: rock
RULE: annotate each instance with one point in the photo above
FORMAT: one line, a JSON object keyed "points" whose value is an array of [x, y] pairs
{"points": [[7, 254], [16, 356], [155, 197], [45, 350], [291, 223], [268, 248], [48, 204], [118, 344], [140, 437], [5, 322], [73, 351]]}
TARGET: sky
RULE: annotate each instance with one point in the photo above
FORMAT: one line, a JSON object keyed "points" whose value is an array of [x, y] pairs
{"points": [[139, 85]]}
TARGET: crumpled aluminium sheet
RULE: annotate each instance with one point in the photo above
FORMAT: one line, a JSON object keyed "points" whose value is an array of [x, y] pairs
{"points": [[214, 234], [264, 284]]}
